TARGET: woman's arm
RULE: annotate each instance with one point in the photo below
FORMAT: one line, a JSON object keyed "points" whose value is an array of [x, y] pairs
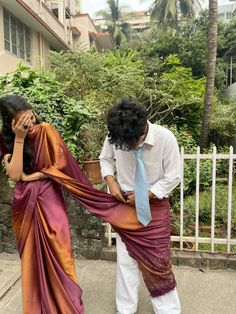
{"points": [[14, 161], [33, 176]]}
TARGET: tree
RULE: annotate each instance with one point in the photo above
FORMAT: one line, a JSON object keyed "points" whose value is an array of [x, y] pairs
{"points": [[169, 13], [119, 29], [211, 66]]}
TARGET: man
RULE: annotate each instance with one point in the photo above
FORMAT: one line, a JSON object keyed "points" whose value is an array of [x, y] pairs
{"points": [[129, 133]]}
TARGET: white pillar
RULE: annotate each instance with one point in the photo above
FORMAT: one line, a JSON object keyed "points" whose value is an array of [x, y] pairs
{"points": [[61, 11]]}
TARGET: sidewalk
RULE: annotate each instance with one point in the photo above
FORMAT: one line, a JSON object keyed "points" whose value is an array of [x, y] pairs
{"points": [[200, 291]]}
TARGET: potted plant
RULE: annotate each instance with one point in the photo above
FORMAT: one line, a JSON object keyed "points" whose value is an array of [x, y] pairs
{"points": [[91, 139]]}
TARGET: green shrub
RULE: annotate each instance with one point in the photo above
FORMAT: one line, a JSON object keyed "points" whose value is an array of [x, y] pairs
{"points": [[175, 97], [49, 102], [103, 78], [205, 200]]}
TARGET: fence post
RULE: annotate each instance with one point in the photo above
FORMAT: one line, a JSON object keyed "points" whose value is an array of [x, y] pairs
{"points": [[213, 199], [231, 151], [197, 199], [182, 199]]}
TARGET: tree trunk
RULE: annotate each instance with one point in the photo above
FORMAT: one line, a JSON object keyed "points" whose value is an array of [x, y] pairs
{"points": [[211, 65]]}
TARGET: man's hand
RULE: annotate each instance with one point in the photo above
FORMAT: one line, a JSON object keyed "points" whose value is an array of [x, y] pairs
{"points": [[150, 195], [131, 198], [114, 188]]}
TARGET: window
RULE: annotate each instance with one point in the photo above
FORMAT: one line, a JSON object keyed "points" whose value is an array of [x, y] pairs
{"points": [[221, 15], [228, 15], [16, 36]]}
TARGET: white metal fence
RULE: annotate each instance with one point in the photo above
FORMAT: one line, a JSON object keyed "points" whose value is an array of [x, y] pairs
{"points": [[196, 239]]}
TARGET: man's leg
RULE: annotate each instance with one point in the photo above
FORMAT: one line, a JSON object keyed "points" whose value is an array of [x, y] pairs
{"points": [[127, 280], [167, 303]]}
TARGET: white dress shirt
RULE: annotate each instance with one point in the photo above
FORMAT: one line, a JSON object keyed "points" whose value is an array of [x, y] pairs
{"points": [[161, 160]]}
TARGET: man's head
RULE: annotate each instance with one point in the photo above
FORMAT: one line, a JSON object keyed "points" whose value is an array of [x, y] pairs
{"points": [[127, 124]]}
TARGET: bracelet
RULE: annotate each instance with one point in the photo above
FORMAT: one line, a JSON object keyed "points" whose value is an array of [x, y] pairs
{"points": [[19, 142]]}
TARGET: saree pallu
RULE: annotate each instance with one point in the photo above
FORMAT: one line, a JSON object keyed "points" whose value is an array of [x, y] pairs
{"points": [[41, 226]]}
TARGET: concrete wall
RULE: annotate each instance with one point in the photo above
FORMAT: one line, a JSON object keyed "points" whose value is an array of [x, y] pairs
{"points": [[7, 238]]}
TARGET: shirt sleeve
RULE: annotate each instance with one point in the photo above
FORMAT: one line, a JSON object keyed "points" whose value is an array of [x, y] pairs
{"points": [[172, 170], [107, 159]]}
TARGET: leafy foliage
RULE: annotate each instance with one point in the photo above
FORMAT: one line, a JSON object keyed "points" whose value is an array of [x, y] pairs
{"points": [[99, 80], [119, 29], [167, 13], [223, 126], [185, 44], [49, 101], [101, 77], [186, 140], [176, 97], [221, 209]]}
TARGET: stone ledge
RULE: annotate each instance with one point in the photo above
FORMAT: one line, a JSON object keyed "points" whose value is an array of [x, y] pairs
{"points": [[204, 260], [108, 254], [11, 282]]}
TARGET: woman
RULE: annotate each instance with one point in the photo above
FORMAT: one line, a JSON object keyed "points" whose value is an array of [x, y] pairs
{"points": [[36, 157], [40, 220]]}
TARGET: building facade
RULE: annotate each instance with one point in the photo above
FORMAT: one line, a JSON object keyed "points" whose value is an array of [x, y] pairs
{"points": [[226, 12], [30, 28], [88, 38], [138, 20]]}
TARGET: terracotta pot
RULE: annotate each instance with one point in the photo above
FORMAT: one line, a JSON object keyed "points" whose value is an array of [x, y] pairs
{"points": [[92, 170], [206, 229]]}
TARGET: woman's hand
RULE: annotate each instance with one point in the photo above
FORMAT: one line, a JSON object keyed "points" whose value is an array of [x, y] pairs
{"points": [[20, 127], [33, 176]]}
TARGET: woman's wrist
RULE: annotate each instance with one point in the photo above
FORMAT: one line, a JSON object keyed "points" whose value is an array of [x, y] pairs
{"points": [[42, 175], [19, 140]]}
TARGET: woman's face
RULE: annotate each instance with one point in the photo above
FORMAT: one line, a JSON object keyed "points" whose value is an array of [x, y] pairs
{"points": [[31, 115]]}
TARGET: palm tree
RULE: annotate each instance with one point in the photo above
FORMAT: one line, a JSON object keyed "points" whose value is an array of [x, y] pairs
{"points": [[120, 30], [211, 65], [168, 13]]}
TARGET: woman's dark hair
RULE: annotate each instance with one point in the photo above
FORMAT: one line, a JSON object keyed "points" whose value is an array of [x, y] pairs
{"points": [[9, 107], [126, 122]]}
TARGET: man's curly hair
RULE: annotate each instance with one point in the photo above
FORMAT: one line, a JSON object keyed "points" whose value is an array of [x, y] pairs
{"points": [[126, 122]]}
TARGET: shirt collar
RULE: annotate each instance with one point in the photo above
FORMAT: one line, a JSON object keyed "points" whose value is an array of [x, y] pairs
{"points": [[149, 139]]}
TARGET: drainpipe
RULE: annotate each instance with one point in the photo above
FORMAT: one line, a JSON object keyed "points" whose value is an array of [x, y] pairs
{"points": [[227, 75], [62, 17], [231, 70]]}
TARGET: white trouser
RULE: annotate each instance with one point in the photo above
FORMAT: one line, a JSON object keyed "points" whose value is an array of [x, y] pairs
{"points": [[127, 284]]}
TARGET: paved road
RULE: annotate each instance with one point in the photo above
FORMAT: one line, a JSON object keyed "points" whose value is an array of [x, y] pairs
{"points": [[208, 292]]}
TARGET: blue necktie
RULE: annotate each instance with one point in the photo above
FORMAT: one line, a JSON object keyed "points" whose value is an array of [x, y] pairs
{"points": [[141, 190]]}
